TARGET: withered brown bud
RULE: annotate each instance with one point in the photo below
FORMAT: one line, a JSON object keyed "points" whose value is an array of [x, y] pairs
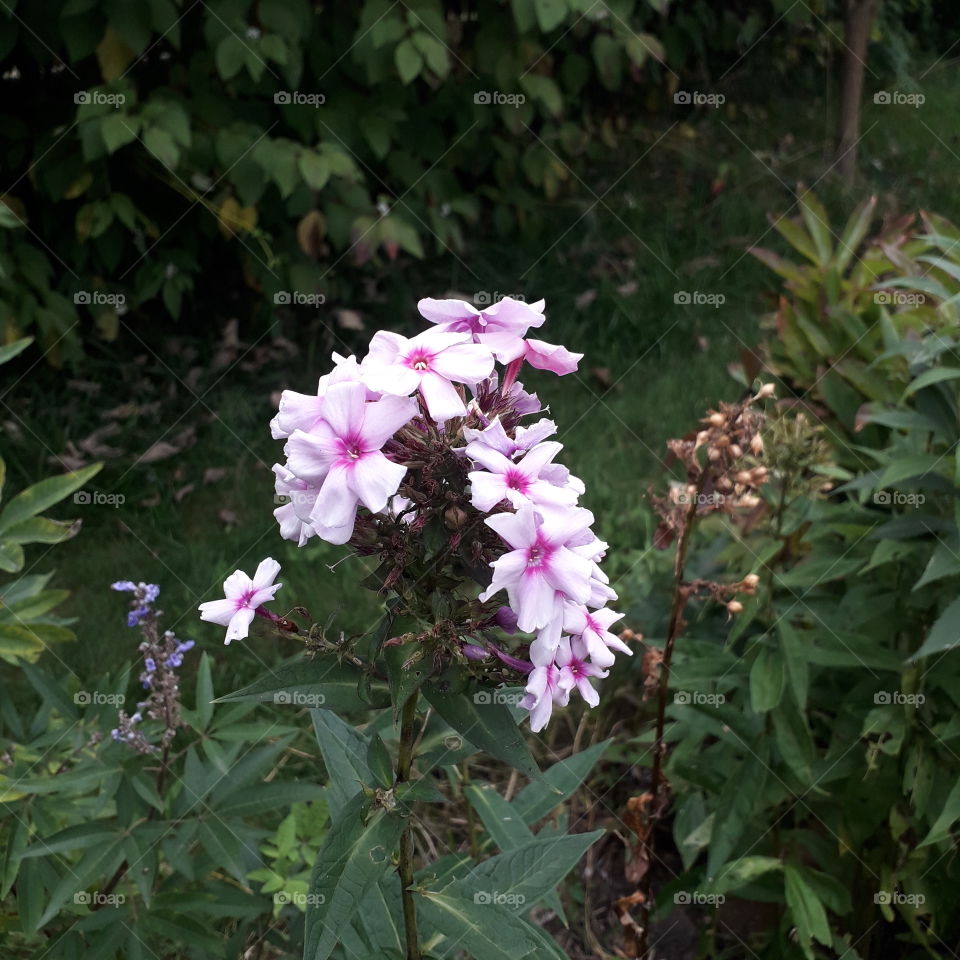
{"points": [[756, 444], [723, 441], [454, 517]]}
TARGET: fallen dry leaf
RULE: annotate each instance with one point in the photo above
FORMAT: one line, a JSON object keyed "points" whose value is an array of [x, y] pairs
{"points": [[214, 474], [158, 451]]}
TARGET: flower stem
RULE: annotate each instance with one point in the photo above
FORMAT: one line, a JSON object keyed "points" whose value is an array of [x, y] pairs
{"points": [[408, 721]]}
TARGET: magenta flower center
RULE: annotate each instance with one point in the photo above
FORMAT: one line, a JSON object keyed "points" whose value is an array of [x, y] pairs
{"points": [[538, 556], [419, 360], [516, 481]]}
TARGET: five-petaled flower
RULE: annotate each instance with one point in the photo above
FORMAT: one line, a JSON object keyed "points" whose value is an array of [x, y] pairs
{"points": [[243, 596]]}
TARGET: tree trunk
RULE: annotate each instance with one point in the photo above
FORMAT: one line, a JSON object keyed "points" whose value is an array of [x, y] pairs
{"points": [[860, 15]]}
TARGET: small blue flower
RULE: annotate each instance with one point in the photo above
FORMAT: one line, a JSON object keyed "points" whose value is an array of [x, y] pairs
{"points": [[125, 586], [150, 592], [174, 660], [135, 616], [150, 664], [185, 646]]}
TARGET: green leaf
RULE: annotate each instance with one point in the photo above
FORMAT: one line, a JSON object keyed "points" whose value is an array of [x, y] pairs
{"points": [[550, 13], [522, 876], [264, 797], [315, 169], [230, 56], [854, 232], [490, 726], [406, 670], [226, 847], [11, 556], [930, 377], [767, 678], [379, 763], [9, 350], [545, 90], [903, 468], [345, 756], [946, 818], [944, 634], [944, 562], [162, 145], [95, 864], [354, 856], [77, 837], [742, 789], [408, 59], [739, 873], [486, 931], [793, 646], [42, 530], [322, 683], [117, 130], [808, 914], [539, 798], [818, 223], [506, 826], [203, 711], [20, 641], [434, 52], [33, 500]]}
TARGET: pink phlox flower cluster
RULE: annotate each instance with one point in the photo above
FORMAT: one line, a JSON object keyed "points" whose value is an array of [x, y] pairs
{"points": [[349, 446]]}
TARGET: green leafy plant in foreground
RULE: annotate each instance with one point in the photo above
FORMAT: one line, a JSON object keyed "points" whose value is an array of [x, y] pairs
{"points": [[27, 624]]}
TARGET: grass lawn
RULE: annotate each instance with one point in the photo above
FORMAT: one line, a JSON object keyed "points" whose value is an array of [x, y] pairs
{"points": [[673, 212]]}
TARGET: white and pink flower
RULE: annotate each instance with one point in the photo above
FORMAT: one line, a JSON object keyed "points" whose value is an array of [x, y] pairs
{"points": [[243, 597]]}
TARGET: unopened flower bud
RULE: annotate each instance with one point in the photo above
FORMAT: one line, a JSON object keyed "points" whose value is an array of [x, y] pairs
{"points": [[734, 606], [716, 420], [713, 454], [736, 451], [751, 580], [749, 501], [767, 390], [759, 475], [723, 441], [743, 476], [702, 437], [756, 444]]}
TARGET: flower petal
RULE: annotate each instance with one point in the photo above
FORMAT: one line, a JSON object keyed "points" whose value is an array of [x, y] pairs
{"points": [[375, 479], [443, 401]]}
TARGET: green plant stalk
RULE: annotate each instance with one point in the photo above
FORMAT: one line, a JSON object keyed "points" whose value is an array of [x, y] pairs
{"points": [[408, 721]]}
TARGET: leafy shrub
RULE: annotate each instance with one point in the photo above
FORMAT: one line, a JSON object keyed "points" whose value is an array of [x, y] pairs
{"points": [[812, 758]]}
